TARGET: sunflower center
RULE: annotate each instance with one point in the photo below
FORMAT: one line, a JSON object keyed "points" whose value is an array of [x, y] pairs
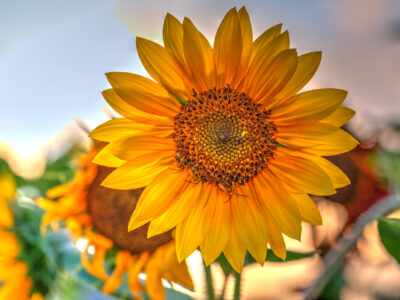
{"points": [[110, 211], [223, 137]]}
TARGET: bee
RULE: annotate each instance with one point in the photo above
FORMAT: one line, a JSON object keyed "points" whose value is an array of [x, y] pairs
{"points": [[228, 187], [193, 179]]}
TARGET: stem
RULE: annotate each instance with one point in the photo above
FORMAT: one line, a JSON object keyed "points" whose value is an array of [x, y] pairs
{"points": [[221, 297], [238, 279], [209, 282], [336, 255]]}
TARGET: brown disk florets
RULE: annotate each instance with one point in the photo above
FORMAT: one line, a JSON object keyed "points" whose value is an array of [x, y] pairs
{"points": [[223, 137], [110, 211]]}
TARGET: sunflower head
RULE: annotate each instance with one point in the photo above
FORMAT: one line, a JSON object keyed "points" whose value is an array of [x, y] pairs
{"points": [[226, 147], [100, 216]]}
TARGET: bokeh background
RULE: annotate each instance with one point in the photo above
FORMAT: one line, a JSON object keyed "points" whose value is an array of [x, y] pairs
{"points": [[54, 53]]}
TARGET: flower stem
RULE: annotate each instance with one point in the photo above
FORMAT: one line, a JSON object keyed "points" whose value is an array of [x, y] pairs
{"points": [[209, 282], [238, 281], [335, 257]]}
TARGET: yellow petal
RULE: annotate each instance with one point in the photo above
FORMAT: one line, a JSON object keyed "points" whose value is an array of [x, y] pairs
{"points": [[173, 37], [302, 175], [275, 240], [59, 190], [177, 212], [107, 159], [189, 233], [276, 75], [235, 251], [306, 136], [136, 267], [265, 38], [308, 210], [98, 261], [306, 67], [162, 66], [129, 176], [199, 57], [228, 48], [128, 111], [338, 178], [337, 143], [7, 186], [120, 127], [308, 107], [247, 44], [339, 117], [216, 227], [6, 216], [318, 138], [260, 62], [143, 93], [277, 204], [246, 213], [172, 270], [158, 196], [154, 285], [137, 147]]}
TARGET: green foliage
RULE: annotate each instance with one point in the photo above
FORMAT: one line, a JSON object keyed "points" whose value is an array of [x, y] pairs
{"points": [[271, 257], [387, 164], [36, 250], [334, 286], [4, 168], [389, 232]]}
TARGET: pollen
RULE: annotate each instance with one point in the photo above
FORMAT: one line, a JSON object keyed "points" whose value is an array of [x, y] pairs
{"points": [[223, 137]]}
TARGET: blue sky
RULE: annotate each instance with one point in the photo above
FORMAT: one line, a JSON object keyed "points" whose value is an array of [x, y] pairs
{"points": [[54, 53]]}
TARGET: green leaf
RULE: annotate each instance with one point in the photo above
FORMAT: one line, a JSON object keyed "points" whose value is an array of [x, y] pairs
{"points": [[389, 231], [387, 165], [271, 257], [333, 288]]}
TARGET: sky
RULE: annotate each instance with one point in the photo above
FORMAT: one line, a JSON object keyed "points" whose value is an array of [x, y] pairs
{"points": [[54, 53]]}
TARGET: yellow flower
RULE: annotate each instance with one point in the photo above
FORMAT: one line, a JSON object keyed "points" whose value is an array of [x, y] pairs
{"points": [[99, 217], [14, 278], [226, 146]]}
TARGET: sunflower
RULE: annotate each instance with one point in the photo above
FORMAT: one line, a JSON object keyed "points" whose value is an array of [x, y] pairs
{"points": [[18, 278], [98, 216], [227, 148]]}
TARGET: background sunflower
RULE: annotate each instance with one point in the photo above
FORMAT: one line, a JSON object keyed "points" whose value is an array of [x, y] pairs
{"points": [[97, 219], [27, 265]]}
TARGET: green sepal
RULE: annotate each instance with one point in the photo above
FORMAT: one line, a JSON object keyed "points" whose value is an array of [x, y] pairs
{"points": [[181, 101], [271, 257]]}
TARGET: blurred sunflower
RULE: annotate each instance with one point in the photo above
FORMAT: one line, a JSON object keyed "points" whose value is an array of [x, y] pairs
{"points": [[22, 249], [226, 146], [100, 216]]}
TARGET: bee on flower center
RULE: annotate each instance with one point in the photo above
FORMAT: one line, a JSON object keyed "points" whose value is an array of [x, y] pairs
{"points": [[223, 137]]}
